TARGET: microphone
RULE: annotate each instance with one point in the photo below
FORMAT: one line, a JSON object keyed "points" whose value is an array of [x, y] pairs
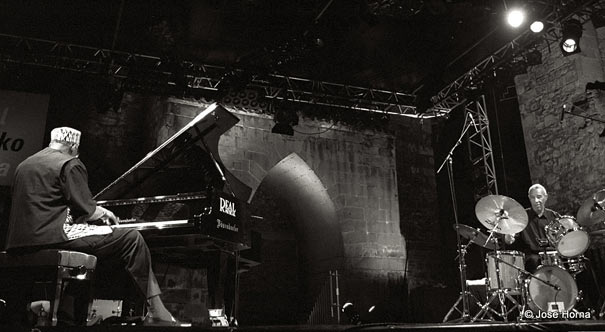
{"points": [[562, 113]]}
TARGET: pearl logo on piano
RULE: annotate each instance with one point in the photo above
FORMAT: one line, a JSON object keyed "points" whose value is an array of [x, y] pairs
{"points": [[227, 207]]}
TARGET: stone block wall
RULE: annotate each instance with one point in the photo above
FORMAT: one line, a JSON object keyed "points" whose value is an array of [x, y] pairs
{"points": [[566, 156], [418, 203]]}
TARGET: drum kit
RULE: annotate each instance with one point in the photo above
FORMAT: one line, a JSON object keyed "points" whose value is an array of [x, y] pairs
{"points": [[552, 287]]}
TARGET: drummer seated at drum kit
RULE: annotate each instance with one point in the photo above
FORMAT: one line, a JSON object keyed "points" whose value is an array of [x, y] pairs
{"points": [[554, 246], [549, 237]]}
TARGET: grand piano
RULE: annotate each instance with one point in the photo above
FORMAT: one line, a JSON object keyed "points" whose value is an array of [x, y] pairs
{"points": [[185, 202], [181, 193]]}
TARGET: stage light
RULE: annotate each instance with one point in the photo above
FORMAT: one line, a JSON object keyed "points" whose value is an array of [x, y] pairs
{"points": [[515, 18], [571, 34], [536, 26], [284, 120]]}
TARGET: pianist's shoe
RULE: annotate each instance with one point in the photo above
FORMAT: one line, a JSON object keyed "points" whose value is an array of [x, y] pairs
{"points": [[149, 320]]}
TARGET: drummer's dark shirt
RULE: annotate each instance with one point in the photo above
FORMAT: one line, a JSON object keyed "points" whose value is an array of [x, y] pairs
{"points": [[535, 229]]}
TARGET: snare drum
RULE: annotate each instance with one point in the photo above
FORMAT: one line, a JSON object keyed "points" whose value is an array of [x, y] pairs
{"points": [[567, 236], [542, 297], [509, 276], [550, 258]]}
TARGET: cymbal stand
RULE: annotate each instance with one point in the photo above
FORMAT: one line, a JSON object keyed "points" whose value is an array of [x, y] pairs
{"points": [[462, 296], [464, 313], [499, 294]]}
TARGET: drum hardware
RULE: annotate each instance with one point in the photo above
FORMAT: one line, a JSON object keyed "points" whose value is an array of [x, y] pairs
{"points": [[476, 236], [592, 210], [473, 236], [501, 214], [540, 286], [551, 288], [565, 235], [464, 293], [503, 289], [574, 265], [550, 257]]}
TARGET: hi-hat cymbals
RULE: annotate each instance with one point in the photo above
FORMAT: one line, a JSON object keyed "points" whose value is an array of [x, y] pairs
{"points": [[475, 236], [502, 214], [591, 212]]}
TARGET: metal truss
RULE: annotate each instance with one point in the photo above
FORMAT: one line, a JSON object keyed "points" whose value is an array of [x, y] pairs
{"points": [[452, 96], [480, 149], [147, 71]]}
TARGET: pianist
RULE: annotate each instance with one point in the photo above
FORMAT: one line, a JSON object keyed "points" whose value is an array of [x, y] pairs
{"points": [[52, 207]]}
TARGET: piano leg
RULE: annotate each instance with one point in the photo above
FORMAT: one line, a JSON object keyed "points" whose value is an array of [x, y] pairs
{"points": [[223, 282]]}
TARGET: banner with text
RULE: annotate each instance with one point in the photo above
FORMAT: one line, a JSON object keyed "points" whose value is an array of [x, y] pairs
{"points": [[22, 125]]}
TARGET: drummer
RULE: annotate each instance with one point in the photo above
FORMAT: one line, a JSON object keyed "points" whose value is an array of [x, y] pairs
{"points": [[534, 235]]}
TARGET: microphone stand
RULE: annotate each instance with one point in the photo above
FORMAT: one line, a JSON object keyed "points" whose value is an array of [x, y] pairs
{"points": [[580, 116], [464, 293]]}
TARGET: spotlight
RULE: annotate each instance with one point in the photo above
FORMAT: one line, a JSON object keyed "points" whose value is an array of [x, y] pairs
{"points": [[537, 27], [515, 18], [570, 42], [284, 120]]}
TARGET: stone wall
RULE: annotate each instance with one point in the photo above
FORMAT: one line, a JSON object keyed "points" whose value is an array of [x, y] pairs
{"points": [[418, 201], [565, 156]]}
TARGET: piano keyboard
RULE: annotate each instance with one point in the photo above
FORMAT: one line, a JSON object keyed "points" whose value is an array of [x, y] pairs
{"points": [[154, 224]]}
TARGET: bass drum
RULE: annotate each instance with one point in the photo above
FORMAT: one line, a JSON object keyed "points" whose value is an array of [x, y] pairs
{"points": [[542, 297]]}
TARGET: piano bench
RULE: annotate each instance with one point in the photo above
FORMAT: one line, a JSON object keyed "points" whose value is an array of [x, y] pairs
{"points": [[52, 267]]}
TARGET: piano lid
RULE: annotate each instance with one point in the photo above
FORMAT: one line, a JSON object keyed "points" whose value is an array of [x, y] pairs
{"points": [[186, 162]]}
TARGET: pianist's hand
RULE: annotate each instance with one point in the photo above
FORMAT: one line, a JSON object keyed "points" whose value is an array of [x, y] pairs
{"points": [[109, 218]]}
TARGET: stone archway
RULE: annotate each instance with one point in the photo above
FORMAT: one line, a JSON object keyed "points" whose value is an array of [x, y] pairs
{"points": [[302, 241], [317, 226]]}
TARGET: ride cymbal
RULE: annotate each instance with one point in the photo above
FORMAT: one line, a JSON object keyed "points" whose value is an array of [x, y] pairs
{"points": [[591, 212], [475, 236], [501, 214]]}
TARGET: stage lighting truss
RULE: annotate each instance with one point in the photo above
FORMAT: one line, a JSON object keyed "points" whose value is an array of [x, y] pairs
{"points": [[153, 73], [451, 95]]}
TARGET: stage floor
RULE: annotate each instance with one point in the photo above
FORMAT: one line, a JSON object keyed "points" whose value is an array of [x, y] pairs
{"points": [[577, 325]]}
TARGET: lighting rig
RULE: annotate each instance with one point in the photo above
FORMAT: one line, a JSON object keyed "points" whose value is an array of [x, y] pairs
{"points": [[452, 96], [188, 78]]}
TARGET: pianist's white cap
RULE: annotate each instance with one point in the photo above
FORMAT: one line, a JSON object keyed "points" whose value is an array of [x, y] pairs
{"points": [[65, 135]]}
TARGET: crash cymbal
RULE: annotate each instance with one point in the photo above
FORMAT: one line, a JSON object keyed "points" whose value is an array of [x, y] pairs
{"points": [[475, 236], [591, 212], [502, 214]]}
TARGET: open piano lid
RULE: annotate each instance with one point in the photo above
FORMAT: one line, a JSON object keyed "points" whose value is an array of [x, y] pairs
{"points": [[187, 162]]}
